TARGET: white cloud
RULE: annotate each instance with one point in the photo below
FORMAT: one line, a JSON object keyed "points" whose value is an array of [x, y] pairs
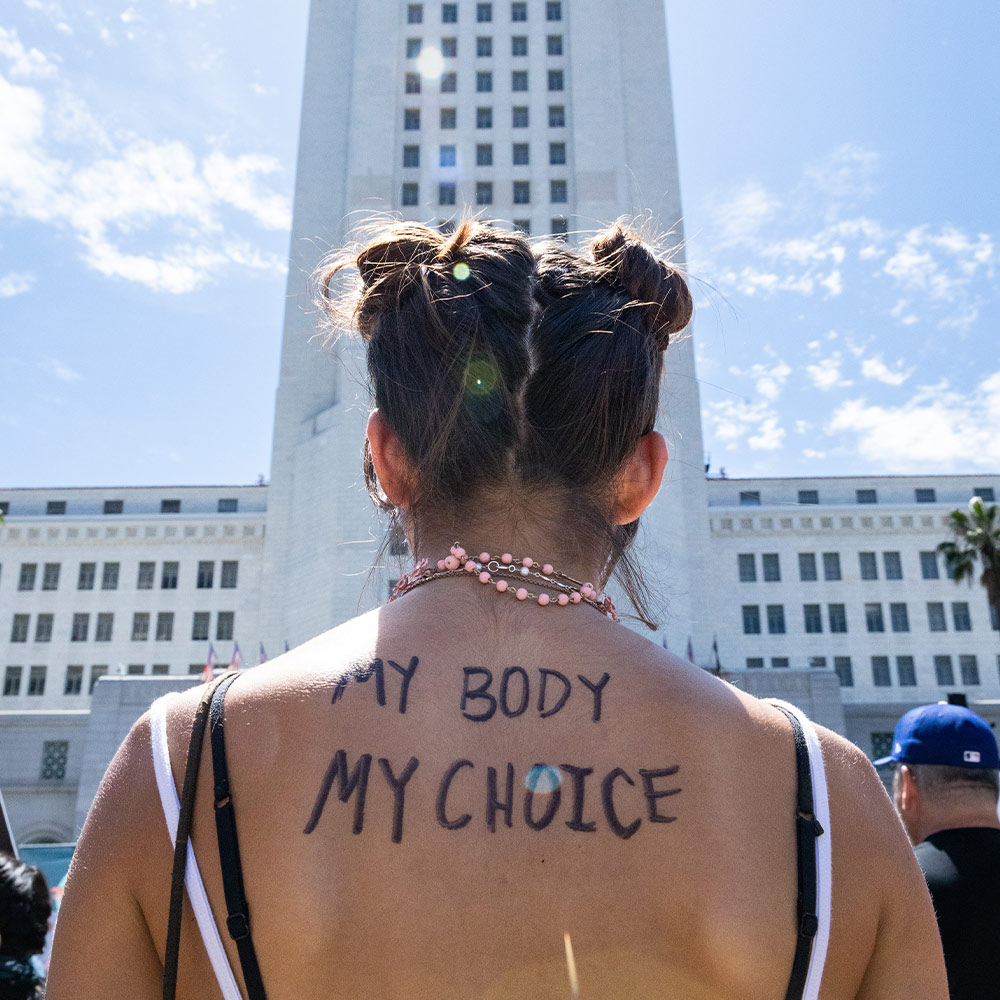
{"points": [[62, 372], [940, 265], [899, 313], [803, 426], [24, 63], [876, 368], [15, 283], [825, 373], [740, 215], [845, 173], [938, 428], [768, 379], [733, 420], [193, 4]]}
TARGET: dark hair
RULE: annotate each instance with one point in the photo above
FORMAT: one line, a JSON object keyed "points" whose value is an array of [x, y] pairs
{"points": [[496, 365], [938, 778], [24, 908]]}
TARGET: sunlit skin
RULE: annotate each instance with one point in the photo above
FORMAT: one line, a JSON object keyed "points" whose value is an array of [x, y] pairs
{"points": [[924, 813], [700, 907]]}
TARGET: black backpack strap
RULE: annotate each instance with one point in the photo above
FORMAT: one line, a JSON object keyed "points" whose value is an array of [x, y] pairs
{"points": [[807, 829], [238, 919]]}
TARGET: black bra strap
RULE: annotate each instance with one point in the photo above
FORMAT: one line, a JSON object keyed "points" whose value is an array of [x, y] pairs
{"points": [[238, 919], [807, 829]]}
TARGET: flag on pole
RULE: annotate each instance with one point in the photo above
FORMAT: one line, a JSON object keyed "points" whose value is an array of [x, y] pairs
{"points": [[715, 653], [690, 650], [286, 645], [209, 672], [237, 661], [663, 641], [261, 654]]}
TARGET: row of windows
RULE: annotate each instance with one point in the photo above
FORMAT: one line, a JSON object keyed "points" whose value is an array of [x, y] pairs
{"points": [[484, 50], [74, 680], [906, 669], [484, 12], [448, 193], [751, 498], [892, 566], [86, 577], [225, 505], [520, 117], [836, 614], [104, 626], [520, 154], [484, 82]]}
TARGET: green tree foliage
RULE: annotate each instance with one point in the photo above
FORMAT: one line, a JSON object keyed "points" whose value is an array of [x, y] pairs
{"points": [[977, 534]]}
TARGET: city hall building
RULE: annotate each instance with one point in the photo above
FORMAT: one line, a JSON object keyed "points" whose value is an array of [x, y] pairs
{"points": [[825, 591]]}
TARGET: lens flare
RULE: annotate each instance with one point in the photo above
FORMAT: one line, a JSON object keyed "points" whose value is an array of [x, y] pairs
{"points": [[430, 62], [574, 983], [542, 779], [461, 271]]}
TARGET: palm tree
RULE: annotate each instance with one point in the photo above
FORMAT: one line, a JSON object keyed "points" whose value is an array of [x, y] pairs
{"points": [[978, 540]]}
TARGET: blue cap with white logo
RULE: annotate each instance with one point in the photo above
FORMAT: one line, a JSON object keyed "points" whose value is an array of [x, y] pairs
{"points": [[942, 734]]}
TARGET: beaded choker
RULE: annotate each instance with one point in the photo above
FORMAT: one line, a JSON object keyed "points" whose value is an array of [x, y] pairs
{"points": [[509, 575]]}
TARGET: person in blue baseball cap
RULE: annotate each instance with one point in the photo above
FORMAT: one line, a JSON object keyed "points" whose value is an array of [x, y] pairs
{"points": [[945, 787]]}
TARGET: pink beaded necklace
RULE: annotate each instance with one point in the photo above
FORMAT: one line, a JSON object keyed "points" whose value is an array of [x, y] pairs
{"points": [[508, 574]]}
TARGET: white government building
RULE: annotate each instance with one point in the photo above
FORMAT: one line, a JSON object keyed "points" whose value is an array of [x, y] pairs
{"points": [[825, 591]]}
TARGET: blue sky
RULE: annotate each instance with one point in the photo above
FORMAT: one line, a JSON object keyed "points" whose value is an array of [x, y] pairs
{"points": [[838, 171]]}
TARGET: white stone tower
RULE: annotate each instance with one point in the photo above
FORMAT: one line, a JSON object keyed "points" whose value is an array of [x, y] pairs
{"points": [[553, 116]]}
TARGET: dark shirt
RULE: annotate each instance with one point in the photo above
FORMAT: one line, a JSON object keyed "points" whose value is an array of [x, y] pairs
{"points": [[962, 868]]}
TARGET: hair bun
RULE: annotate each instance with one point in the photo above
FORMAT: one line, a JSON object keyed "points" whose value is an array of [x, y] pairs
{"points": [[653, 285]]}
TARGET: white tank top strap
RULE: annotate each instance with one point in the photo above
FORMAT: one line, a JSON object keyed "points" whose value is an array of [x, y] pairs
{"points": [[824, 856], [192, 878]]}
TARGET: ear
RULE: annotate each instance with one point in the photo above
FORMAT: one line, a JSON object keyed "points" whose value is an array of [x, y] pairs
{"points": [[392, 466], [640, 479], [907, 798]]}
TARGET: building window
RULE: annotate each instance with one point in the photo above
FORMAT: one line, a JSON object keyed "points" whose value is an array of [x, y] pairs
{"points": [[943, 671], [484, 154], [448, 118], [837, 613], [749, 498], [74, 680], [224, 625], [906, 671], [557, 192], [865, 496], [893, 566], [449, 13], [881, 745], [228, 505], [161, 669], [554, 45], [136, 669], [411, 119], [415, 13], [746, 563], [170, 506], [168, 576], [484, 82], [412, 83], [925, 496], [868, 565], [200, 625], [559, 227], [413, 46], [880, 672], [776, 619], [557, 116], [447, 157], [96, 673], [755, 662], [519, 46], [446, 193], [411, 194], [519, 80], [845, 673], [484, 12], [831, 565], [12, 682], [109, 576], [994, 618], [449, 48], [195, 668], [43, 628], [985, 493], [812, 617], [520, 154], [557, 153], [54, 754], [809, 496], [86, 577], [873, 618], [807, 567], [484, 192], [55, 507], [36, 682], [780, 662], [555, 79], [484, 48], [19, 628], [935, 617], [164, 626], [449, 83], [520, 117], [522, 226], [929, 565], [519, 11], [751, 619], [105, 624], [960, 616], [81, 627], [817, 662], [146, 577], [140, 626], [553, 11], [522, 192], [411, 156], [899, 617], [484, 118], [26, 581], [969, 669], [771, 567], [4, 507]]}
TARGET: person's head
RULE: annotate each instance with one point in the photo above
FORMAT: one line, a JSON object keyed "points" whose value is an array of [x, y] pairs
{"points": [[516, 391], [24, 908], [946, 770]]}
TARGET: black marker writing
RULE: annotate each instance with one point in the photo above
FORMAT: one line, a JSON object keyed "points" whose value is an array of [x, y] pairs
{"points": [[597, 690], [579, 774], [560, 701], [472, 694], [376, 669], [407, 675], [495, 805], [442, 798], [652, 795], [356, 780], [553, 803], [607, 797], [513, 713], [398, 786]]}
